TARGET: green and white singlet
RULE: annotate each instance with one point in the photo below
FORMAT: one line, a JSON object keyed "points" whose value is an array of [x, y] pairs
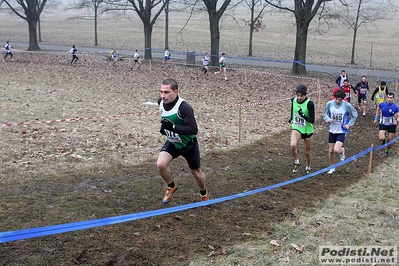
{"points": [[180, 141]]}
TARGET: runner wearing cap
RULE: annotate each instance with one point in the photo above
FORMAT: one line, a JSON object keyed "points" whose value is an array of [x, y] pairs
{"points": [[301, 120]]}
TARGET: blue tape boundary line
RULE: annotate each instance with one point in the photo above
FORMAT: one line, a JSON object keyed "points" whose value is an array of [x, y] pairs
{"points": [[63, 228]]}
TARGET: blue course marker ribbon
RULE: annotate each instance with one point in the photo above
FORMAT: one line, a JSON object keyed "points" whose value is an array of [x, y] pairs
{"points": [[69, 227]]}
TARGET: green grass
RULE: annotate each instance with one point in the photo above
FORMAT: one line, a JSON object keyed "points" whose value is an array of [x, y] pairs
{"points": [[363, 214]]}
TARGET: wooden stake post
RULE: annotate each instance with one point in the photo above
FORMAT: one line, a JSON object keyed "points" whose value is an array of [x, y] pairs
{"points": [[318, 96], [370, 162], [239, 122]]}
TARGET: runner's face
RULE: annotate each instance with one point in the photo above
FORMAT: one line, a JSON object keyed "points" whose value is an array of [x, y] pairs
{"points": [[338, 101], [390, 99], [300, 97], [167, 94]]}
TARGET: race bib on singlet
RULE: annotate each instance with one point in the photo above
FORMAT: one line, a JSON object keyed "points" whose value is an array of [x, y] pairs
{"points": [[337, 118], [173, 136], [347, 94], [299, 121], [363, 91], [387, 120], [381, 95]]}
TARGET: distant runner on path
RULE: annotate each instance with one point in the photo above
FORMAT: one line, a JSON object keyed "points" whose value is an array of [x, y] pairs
{"points": [[222, 66], [7, 51], [73, 52]]}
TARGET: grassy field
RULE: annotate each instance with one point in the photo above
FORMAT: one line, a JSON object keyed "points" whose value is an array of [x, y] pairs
{"points": [[375, 42], [363, 214], [54, 173]]}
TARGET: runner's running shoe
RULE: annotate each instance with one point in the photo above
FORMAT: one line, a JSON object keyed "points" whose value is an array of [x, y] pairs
{"points": [[205, 197], [386, 153], [169, 194], [332, 170], [308, 170], [296, 167]]}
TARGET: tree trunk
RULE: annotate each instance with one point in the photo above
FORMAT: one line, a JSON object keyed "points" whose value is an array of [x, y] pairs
{"points": [[39, 30], [215, 38], [38, 24], [251, 29], [33, 44], [353, 47], [95, 25], [147, 41], [355, 28], [299, 67], [167, 25], [251, 34]]}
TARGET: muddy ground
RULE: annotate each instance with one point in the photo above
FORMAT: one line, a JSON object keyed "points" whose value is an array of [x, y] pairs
{"points": [[62, 172]]}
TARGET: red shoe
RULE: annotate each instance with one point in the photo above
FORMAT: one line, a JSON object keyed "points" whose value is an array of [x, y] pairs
{"points": [[169, 194], [205, 197]]}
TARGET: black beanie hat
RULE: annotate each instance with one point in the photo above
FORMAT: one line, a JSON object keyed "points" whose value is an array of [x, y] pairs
{"points": [[302, 89]]}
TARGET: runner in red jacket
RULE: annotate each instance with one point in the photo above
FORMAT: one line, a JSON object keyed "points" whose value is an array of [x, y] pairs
{"points": [[347, 87]]}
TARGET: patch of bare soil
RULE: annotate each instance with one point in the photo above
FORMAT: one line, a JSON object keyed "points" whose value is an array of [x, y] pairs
{"points": [[63, 172]]}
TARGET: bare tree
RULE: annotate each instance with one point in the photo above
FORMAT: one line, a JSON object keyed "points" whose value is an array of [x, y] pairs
{"points": [[143, 8], [95, 6], [255, 22], [304, 11], [31, 13], [356, 14], [214, 19]]}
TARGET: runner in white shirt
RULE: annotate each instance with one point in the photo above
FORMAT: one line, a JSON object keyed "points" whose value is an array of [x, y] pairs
{"points": [[222, 66], [341, 116], [205, 63], [166, 57], [136, 59], [7, 51]]}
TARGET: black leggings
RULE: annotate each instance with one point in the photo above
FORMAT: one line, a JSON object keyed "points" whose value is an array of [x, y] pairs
{"points": [[74, 58], [5, 56]]}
